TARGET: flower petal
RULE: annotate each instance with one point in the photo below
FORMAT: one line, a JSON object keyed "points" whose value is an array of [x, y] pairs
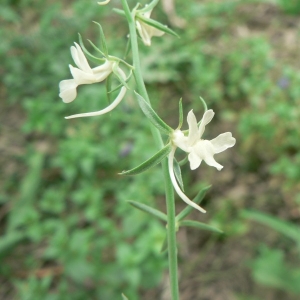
{"points": [[207, 117], [193, 136], [68, 90], [82, 77], [194, 160], [180, 140], [175, 184], [105, 110], [222, 142], [80, 59], [205, 150], [142, 29]]}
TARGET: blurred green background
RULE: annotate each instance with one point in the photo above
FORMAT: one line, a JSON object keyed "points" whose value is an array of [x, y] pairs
{"points": [[66, 229]]}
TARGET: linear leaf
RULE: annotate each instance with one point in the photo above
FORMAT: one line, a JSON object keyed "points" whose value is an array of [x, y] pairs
{"points": [[197, 200], [152, 116], [124, 297], [156, 24], [149, 6], [91, 56], [164, 246], [151, 162], [103, 45], [199, 225], [286, 228], [150, 210]]}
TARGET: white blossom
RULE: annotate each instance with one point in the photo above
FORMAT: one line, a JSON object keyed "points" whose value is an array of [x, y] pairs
{"points": [[146, 31], [197, 148], [84, 74]]}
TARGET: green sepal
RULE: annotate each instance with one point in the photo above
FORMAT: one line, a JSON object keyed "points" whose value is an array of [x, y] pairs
{"points": [[151, 162], [97, 59], [180, 114], [120, 78], [124, 297], [188, 208], [103, 45], [96, 48], [156, 24], [149, 6], [177, 172], [108, 84], [199, 225], [150, 210], [152, 116]]}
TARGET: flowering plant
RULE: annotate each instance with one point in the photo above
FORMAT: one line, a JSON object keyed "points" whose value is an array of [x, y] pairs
{"points": [[190, 141]]}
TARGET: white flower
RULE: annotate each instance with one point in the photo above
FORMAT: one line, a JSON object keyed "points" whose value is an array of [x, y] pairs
{"points": [[146, 31], [103, 2], [84, 74], [198, 149]]}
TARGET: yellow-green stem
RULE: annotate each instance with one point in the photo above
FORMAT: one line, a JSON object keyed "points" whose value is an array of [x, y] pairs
{"points": [[171, 230]]}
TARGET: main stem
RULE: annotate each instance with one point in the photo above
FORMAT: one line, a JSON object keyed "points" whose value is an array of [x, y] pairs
{"points": [[171, 229]]}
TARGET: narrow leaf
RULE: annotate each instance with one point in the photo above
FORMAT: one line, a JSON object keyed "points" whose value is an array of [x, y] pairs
{"points": [[152, 116], [119, 12], [286, 228], [118, 75], [156, 24], [150, 210], [204, 104], [180, 114], [149, 6], [199, 225], [96, 48], [103, 45], [151, 162], [177, 172], [197, 200], [97, 59], [124, 297]]}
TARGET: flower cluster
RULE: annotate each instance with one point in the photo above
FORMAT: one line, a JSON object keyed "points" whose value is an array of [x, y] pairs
{"points": [[197, 148]]}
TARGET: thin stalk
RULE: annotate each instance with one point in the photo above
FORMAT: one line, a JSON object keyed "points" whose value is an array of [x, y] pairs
{"points": [[171, 229]]}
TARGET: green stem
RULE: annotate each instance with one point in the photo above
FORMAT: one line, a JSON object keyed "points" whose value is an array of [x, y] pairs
{"points": [[171, 230]]}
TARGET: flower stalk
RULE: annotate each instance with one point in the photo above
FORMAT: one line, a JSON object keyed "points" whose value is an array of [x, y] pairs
{"points": [[171, 222]]}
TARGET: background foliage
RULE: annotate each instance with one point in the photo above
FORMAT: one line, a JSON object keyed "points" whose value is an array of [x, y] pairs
{"points": [[66, 228]]}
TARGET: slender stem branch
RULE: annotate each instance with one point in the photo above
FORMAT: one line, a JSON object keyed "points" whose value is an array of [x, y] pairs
{"points": [[171, 230]]}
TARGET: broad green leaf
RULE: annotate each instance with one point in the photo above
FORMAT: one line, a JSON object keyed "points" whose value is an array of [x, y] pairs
{"points": [[149, 6], [199, 225], [180, 114], [96, 59], [156, 24], [197, 200], [152, 116], [152, 211], [286, 228], [177, 172], [151, 162], [103, 45]]}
